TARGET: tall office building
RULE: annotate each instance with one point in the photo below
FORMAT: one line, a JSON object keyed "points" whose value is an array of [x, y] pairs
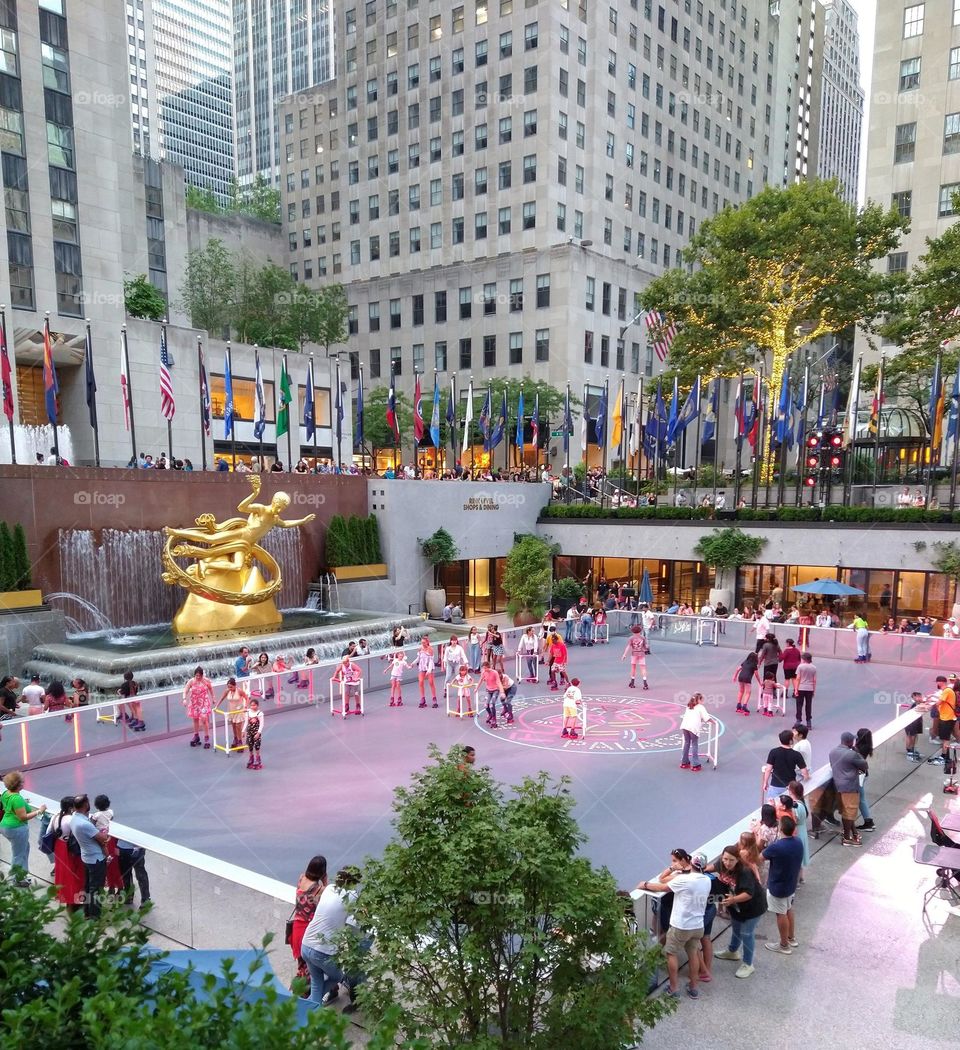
{"points": [[913, 149], [181, 87], [279, 47], [841, 100]]}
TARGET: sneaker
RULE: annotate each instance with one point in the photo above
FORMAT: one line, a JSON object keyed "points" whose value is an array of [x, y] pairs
{"points": [[935, 761], [732, 956], [684, 765], [695, 769], [331, 997], [867, 825], [675, 994], [793, 942], [781, 949], [832, 821], [744, 971], [692, 993], [855, 841]]}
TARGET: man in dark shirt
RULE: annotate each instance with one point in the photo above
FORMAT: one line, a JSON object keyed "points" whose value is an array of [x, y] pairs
{"points": [[846, 765], [770, 655], [786, 860], [783, 765], [8, 697]]}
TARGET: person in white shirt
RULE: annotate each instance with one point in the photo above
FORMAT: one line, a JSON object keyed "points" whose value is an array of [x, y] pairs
{"points": [[694, 719], [824, 619], [528, 648], [802, 745], [706, 609], [319, 947], [454, 657], [721, 503], [648, 618], [34, 693], [762, 628]]}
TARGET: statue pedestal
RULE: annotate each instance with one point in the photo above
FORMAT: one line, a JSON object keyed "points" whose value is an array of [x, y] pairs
{"points": [[201, 615]]}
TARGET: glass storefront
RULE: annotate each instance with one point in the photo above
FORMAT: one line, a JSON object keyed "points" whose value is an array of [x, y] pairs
{"points": [[475, 585]]}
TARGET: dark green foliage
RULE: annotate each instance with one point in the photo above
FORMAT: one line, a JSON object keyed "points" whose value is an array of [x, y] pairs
{"points": [[7, 566], [439, 550], [566, 589], [353, 541], [142, 299], [21, 560]]}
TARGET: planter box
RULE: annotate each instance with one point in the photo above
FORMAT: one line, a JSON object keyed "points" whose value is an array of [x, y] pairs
{"points": [[32, 599], [358, 573]]}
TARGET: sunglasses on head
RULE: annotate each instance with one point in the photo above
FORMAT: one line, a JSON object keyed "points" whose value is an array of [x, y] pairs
{"points": [[680, 854]]}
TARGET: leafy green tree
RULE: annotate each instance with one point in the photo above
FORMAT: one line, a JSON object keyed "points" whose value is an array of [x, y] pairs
{"points": [[203, 200], [319, 316], [494, 932], [527, 575], [772, 275], [376, 433], [141, 299], [946, 559], [727, 549], [7, 568], [338, 542], [260, 200], [266, 314], [89, 982], [21, 559], [439, 550], [207, 294]]}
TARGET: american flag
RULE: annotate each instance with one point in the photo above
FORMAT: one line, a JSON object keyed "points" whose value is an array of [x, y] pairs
{"points": [[168, 407], [661, 333]]}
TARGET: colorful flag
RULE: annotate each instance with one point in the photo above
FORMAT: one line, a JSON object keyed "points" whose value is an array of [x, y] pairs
{"points": [[660, 419], [600, 423], [567, 423], [757, 418], [228, 410], [124, 380], [873, 425], [286, 396], [260, 423], [468, 420], [204, 392], [660, 332], [954, 414], [936, 385], [853, 400], [708, 433], [358, 427], [417, 411], [674, 414], [535, 423], [636, 423], [309, 404], [690, 410], [783, 409], [484, 421], [339, 404], [519, 441], [5, 373], [168, 406], [50, 386], [435, 414], [392, 421], [89, 377], [500, 424], [616, 428], [452, 414], [584, 424], [746, 413]]}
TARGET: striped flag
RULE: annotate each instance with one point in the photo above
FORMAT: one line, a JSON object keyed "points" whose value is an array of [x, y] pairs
{"points": [[124, 380], [417, 412], [5, 372], [50, 385], [660, 332], [168, 406]]}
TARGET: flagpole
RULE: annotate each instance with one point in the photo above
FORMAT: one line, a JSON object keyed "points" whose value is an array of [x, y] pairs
{"points": [[697, 450], [759, 401], [201, 372], [585, 445], [47, 343], [850, 421], [623, 435], [566, 444], [358, 422], [739, 407], [233, 417], [256, 359], [290, 424], [337, 409], [935, 398], [956, 442], [466, 431], [716, 442], [91, 394], [606, 421], [506, 430], [9, 404], [313, 392], [639, 438], [454, 428], [802, 434], [126, 361], [782, 479], [163, 340], [876, 436]]}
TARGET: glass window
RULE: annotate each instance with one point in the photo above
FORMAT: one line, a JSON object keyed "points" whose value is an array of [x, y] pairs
{"points": [[909, 74], [946, 205], [913, 20], [951, 133], [906, 143]]}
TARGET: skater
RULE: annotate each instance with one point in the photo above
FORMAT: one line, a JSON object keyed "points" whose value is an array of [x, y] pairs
{"points": [[253, 733], [528, 649], [234, 702], [862, 630], [558, 669], [508, 690], [198, 700], [637, 650], [600, 625], [915, 728], [694, 719], [349, 675], [490, 680], [586, 628], [572, 703], [744, 676], [464, 683], [497, 649], [570, 624], [395, 668], [134, 713], [473, 650], [806, 687], [425, 666], [770, 656], [454, 657], [768, 693]]}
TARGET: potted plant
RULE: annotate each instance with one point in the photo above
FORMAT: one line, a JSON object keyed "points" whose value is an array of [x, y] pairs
{"points": [[565, 592], [527, 577], [726, 550], [439, 550]]}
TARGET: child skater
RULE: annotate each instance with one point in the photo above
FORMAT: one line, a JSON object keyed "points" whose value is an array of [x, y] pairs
{"points": [[637, 650], [234, 702], [558, 668], [253, 733], [508, 690], [397, 662], [425, 666], [768, 689], [572, 702], [490, 680], [464, 683]]}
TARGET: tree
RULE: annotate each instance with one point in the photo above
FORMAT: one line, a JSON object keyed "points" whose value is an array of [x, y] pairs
{"points": [[773, 275], [527, 575], [376, 433], [439, 550], [21, 559], [141, 299], [260, 200], [203, 200], [727, 549], [91, 983], [264, 313], [946, 559], [207, 292], [7, 568], [493, 930], [318, 316]]}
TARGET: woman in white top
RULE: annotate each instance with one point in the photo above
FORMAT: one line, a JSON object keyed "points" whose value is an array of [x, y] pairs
{"points": [[528, 648], [454, 657], [694, 719], [319, 947]]}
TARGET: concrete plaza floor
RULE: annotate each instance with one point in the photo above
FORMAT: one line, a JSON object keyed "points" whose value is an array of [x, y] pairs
{"points": [[327, 784]]}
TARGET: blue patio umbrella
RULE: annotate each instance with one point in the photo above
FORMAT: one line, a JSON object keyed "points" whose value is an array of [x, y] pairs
{"points": [[646, 591], [831, 587]]}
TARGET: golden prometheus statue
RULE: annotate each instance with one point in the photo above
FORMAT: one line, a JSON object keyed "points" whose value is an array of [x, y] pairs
{"points": [[227, 589]]}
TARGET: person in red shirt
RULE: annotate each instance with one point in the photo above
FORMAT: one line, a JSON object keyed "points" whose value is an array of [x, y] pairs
{"points": [[558, 666], [790, 658]]}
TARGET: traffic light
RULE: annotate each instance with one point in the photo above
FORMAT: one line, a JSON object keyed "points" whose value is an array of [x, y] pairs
{"points": [[811, 460], [833, 451]]}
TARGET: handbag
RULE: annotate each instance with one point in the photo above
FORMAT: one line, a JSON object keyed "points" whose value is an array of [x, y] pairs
{"points": [[48, 837], [288, 929]]}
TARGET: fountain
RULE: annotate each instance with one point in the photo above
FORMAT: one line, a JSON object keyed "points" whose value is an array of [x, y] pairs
{"points": [[30, 442]]}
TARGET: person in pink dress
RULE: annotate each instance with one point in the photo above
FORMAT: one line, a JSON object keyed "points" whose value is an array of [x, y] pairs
{"points": [[198, 700], [425, 667]]}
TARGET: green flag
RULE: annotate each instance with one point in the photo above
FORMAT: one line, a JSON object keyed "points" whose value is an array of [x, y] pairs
{"points": [[283, 413]]}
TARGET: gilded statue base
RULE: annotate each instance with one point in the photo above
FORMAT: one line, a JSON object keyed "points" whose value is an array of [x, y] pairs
{"points": [[200, 615]]}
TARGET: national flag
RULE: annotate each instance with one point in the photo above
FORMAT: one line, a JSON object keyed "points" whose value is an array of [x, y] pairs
{"points": [[660, 419], [660, 332], [358, 425], [674, 413], [783, 408], [452, 414], [584, 424], [691, 408], [309, 404], [937, 439], [228, 409], [5, 373], [798, 433], [954, 414], [567, 423], [435, 415], [745, 410], [468, 421], [519, 441], [616, 427], [286, 396], [600, 423], [709, 431], [260, 423], [636, 423], [535, 423], [204, 393], [51, 387], [417, 411], [936, 387], [484, 421], [89, 377], [339, 401], [124, 380], [168, 406], [392, 421], [853, 400], [873, 426], [500, 425], [756, 419]]}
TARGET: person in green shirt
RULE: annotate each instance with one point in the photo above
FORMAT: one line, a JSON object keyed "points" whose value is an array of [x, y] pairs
{"points": [[16, 813]]}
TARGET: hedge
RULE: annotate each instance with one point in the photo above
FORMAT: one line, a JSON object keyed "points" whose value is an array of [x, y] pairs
{"points": [[908, 515], [353, 541]]}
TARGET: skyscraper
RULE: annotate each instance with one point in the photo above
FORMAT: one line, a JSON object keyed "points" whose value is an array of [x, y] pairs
{"points": [[841, 99], [279, 47]]}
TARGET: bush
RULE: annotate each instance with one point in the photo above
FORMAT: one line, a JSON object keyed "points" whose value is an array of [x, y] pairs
{"points": [[353, 541], [7, 570], [21, 560], [527, 575], [566, 589]]}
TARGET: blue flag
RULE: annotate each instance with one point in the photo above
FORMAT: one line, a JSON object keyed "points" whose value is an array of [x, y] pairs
{"points": [[358, 431], [600, 423], [261, 421], [713, 410], [500, 425], [484, 422], [519, 441], [954, 406], [309, 413], [228, 410], [671, 434], [452, 416], [435, 415], [783, 409], [567, 423], [690, 410]]}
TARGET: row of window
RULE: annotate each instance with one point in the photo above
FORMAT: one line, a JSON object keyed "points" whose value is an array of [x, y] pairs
{"points": [[486, 357], [905, 141], [903, 202], [913, 18], [910, 69]]}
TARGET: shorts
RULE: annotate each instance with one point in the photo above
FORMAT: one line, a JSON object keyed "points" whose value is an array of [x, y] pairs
{"points": [[915, 728], [848, 802], [789, 674], [945, 729], [779, 905], [683, 940], [744, 679]]}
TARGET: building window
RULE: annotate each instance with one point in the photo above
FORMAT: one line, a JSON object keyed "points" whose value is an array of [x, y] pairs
{"points": [[418, 310], [913, 21], [516, 348], [591, 293], [531, 36], [395, 314], [440, 356], [541, 351], [562, 217], [588, 348], [466, 354], [953, 68], [947, 193], [909, 74], [466, 303], [530, 215], [516, 295], [396, 360], [489, 351], [504, 221], [439, 307], [951, 133], [374, 364], [489, 300], [903, 202], [896, 262], [480, 226], [543, 289], [373, 316], [906, 143]]}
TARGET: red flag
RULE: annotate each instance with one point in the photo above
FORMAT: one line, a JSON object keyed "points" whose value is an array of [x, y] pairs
{"points": [[5, 373], [417, 413]]}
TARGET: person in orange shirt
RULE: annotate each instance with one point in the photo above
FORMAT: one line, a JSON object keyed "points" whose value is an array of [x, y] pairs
{"points": [[946, 705]]}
